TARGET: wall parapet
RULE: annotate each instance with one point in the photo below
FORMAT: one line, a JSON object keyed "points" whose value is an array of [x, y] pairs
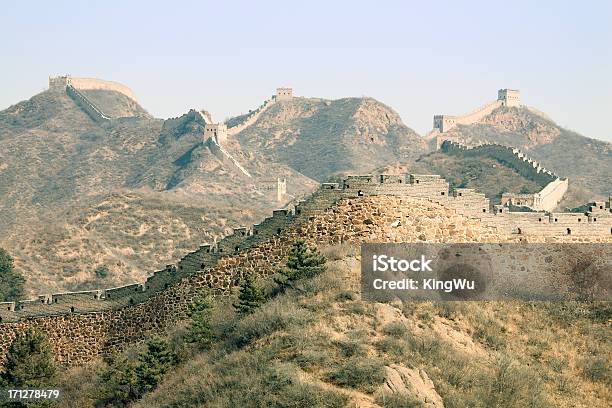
{"points": [[61, 82]]}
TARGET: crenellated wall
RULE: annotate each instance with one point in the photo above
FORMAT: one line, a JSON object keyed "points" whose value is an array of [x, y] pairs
{"points": [[505, 97], [251, 118], [88, 107], [554, 187], [379, 208]]}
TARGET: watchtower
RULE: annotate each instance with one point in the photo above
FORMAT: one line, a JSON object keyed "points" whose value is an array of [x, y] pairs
{"points": [[509, 97], [59, 82], [281, 189], [284, 94], [444, 122], [216, 131]]}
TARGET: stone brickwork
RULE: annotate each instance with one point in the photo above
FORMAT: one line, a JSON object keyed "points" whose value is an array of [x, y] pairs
{"points": [[372, 208]]}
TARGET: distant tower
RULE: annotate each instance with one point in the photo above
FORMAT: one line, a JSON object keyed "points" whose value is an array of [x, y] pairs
{"points": [[216, 131], [281, 189], [509, 97], [59, 82], [284, 94]]}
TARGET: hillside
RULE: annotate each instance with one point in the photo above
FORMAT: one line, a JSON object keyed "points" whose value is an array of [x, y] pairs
{"points": [[587, 162], [322, 138], [57, 167], [114, 104], [322, 346]]}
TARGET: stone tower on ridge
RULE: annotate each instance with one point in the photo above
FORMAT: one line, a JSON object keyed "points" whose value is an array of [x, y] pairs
{"points": [[284, 94], [216, 131], [509, 97]]}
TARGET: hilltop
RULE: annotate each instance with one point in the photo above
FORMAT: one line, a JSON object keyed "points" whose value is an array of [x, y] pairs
{"points": [[322, 138]]}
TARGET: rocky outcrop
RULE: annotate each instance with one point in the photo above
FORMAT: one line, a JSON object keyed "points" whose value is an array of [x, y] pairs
{"points": [[411, 382]]}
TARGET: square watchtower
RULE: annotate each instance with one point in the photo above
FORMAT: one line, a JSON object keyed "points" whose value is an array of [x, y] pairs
{"points": [[509, 97], [284, 94], [216, 131]]}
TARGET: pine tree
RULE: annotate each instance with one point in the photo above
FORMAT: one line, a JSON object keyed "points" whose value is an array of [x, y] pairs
{"points": [[200, 332], [251, 295], [153, 363], [29, 362], [302, 262], [120, 381], [11, 282]]}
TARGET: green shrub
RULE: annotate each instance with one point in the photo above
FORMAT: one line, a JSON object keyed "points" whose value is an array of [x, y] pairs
{"points": [[251, 295], [101, 272], [359, 372], [597, 369], [393, 347], [395, 329], [271, 317], [153, 363], [351, 347], [29, 362], [11, 282], [302, 262], [395, 400], [200, 330]]}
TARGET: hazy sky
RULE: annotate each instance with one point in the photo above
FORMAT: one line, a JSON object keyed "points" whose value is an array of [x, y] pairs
{"points": [[421, 57]]}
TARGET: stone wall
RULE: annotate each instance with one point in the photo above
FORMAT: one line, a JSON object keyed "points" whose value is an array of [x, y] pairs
{"points": [[446, 122], [61, 82], [94, 83], [88, 107], [554, 186], [227, 159], [372, 208], [505, 97], [251, 118]]}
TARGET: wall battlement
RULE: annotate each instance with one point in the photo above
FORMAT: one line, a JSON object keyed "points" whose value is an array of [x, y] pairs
{"points": [[60, 82], [505, 97]]}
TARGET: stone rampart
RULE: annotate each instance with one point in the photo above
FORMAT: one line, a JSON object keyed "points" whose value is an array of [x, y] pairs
{"points": [[372, 208], [554, 186], [251, 118], [100, 84], [225, 157], [88, 107], [446, 122]]}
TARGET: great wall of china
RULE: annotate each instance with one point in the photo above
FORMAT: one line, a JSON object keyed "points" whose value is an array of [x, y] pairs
{"points": [[444, 123], [83, 325], [547, 199], [369, 208]]}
